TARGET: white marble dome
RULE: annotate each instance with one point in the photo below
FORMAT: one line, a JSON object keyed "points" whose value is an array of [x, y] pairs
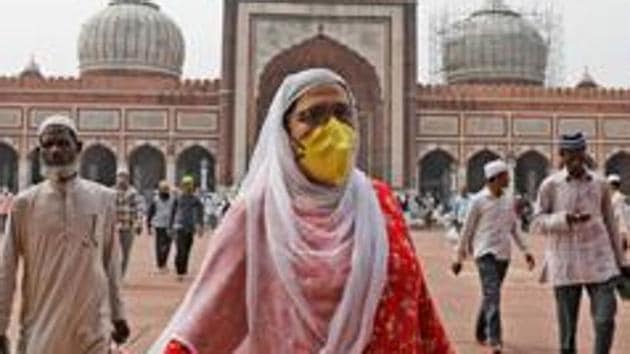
{"points": [[131, 36], [495, 45]]}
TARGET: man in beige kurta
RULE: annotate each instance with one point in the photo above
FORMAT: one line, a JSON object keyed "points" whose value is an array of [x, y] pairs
{"points": [[63, 230]]}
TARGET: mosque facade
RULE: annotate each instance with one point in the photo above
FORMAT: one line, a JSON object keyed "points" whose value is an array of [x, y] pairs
{"points": [[134, 109]]}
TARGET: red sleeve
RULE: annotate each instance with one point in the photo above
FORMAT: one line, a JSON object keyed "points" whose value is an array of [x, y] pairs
{"points": [[175, 347], [420, 330]]}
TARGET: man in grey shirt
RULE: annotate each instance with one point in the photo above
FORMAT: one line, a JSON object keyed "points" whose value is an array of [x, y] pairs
{"points": [[584, 250]]}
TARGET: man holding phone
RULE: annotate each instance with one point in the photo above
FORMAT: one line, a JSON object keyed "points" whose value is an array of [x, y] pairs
{"points": [[584, 249]]}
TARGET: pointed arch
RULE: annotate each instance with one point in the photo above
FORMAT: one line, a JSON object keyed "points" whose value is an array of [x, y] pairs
{"points": [[435, 172], [147, 167], [35, 169], [619, 163], [198, 162], [361, 76], [8, 167], [531, 169], [98, 163], [475, 178]]}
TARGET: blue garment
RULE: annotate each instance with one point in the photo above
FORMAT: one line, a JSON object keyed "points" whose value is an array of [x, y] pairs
{"points": [[460, 208], [187, 213]]}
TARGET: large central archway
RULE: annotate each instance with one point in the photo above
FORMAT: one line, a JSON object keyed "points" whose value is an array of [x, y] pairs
{"points": [[8, 168], [323, 51]]}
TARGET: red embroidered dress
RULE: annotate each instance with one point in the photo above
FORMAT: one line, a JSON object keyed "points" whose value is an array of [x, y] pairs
{"points": [[406, 321]]}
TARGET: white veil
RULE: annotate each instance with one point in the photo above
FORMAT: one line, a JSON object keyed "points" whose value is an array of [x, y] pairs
{"points": [[277, 237]]}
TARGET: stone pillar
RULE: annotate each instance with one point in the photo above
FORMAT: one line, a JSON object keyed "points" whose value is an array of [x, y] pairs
{"points": [[171, 170], [461, 176], [24, 169], [123, 163], [511, 171]]}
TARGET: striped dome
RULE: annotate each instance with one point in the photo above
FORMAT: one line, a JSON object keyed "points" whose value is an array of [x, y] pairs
{"points": [[131, 36], [495, 45]]}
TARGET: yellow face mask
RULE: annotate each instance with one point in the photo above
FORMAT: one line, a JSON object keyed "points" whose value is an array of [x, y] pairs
{"points": [[327, 153]]}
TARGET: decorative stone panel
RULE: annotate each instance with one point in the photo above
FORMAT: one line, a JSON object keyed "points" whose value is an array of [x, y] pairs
{"points": [[532, 127], [485, 125], [99, 119], [438, 125], [616, 128], [588, 126], [206, 122], [149, 119], [10, 117]]}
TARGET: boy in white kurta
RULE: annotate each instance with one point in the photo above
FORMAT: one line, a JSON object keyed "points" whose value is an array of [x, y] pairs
{"points": [[489, 227]]}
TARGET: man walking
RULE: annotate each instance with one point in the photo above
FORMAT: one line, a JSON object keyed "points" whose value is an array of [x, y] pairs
{"points": [[159, 219], [584, 249], [129, 215], [63, 230], [488, 227], [187, 220]]}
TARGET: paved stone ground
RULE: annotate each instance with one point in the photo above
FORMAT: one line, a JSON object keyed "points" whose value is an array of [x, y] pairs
{"points": [[528, 310]]}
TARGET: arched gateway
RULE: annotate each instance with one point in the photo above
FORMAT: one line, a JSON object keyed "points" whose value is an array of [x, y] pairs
{"points": [[322, 51]]}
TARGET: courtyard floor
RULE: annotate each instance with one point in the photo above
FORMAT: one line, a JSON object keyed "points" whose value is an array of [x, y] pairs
{"points": [[528, 308]]}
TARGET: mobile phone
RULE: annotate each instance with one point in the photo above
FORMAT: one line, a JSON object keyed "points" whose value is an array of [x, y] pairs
{"points": [[583, 217]]}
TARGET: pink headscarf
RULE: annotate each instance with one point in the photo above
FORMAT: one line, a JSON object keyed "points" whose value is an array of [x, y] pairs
{"points": [[316, 257]]}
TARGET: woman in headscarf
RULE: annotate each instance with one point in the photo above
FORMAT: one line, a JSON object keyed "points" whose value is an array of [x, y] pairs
{"points": [[314, 256]]}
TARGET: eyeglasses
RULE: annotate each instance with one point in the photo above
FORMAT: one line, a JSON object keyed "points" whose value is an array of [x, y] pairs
{"points": [[316, 115]]}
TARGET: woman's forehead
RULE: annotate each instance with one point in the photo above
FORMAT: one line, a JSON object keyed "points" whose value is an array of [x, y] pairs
{"points": [[326, 93]]}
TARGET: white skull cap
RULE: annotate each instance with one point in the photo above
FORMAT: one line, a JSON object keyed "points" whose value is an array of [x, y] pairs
{"points": [[493, 168], [614, 178], [57, 119]]}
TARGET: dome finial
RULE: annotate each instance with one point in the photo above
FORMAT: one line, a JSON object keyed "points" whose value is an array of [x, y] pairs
{"points": [[31, 68], [587, 80], [497, 5]]}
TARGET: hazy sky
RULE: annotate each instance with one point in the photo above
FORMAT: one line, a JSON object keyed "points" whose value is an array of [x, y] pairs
{"points": [[596, 34]]}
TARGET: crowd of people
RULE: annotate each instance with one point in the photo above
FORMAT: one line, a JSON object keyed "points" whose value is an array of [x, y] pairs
{"points": [[311, 256], [173, 215]]}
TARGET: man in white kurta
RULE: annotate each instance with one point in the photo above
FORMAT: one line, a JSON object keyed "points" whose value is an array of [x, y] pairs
{"points": [[63, 231]]}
